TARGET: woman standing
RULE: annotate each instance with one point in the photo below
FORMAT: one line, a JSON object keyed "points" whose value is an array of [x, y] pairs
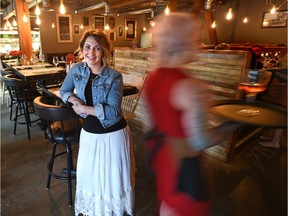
{"points": [[105, 166], [177, 108]]}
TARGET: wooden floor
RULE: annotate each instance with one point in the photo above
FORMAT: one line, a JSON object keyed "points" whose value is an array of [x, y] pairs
{"points": [[253, 184]]}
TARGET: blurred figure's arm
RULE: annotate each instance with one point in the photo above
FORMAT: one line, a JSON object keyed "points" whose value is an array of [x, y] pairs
{"points": [[193, 98]]}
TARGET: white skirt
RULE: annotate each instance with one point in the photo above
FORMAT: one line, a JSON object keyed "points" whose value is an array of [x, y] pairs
{"points": [[105, 174]]}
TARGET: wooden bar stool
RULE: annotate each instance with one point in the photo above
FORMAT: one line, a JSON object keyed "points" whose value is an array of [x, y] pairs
{"points": [[4, 89]]}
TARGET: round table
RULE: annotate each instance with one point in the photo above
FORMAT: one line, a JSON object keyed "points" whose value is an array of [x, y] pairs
{"points": [[258, 113]]}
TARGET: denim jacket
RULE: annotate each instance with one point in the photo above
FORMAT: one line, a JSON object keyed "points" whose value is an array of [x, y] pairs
{"points": [[107, 91]]}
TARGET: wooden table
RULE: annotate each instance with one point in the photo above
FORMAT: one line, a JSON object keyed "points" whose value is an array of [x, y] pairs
{"points": [[38, 65], [260, 117], [40, 74], [37, 72], [258, 113]]}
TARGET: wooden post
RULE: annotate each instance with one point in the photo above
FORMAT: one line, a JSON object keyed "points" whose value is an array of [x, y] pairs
{"points": [[197, 7], [173, 5], [24, 29], [211, 31]]}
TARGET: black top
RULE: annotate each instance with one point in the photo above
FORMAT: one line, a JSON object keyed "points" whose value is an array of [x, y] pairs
{"points": [[91, 123]]}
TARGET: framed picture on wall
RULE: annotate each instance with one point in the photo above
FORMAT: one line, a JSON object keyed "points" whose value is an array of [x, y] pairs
{"points": [[64, 28], [112, 36], [85, 21], [111, 22], [130, 29], [76, 29], [99, 22], [120, 31], [276, 20]]}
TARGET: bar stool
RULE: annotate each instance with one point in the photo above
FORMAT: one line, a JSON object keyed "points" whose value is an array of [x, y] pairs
{"points": [[61, 126], [22, 95], [4, 89]]}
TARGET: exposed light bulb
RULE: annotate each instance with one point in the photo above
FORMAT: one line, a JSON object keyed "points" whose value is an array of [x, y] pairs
{"points": [[8, 23], [106, 27], [25, 19], [14, 22], [38, 21], [144, 29], [37, 9], [152, 23], [245, 20], [81, 26], [273, 9], [229, 14], [167, 11], [62, 8], [213, 24], [53, 25]]}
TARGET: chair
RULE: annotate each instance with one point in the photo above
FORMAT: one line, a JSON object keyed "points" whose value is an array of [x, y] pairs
{"points": [[61, 125], [129, 104], [222, 46], [4, 89], [22, 95]]}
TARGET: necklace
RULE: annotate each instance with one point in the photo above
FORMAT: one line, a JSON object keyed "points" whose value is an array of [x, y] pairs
{"points": [[93, 76]]}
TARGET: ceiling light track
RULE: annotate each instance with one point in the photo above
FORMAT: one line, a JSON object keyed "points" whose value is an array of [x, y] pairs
{"points": [[142, 11], [93, 7]]}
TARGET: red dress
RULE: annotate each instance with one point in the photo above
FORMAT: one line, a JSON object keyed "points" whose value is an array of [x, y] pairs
{"points": [[166, 119]]}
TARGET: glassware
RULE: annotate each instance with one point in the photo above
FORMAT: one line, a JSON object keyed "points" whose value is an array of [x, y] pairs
{"points": [[254, 83], [55, 61], [34, 60], [42, 57], [24, 60]]}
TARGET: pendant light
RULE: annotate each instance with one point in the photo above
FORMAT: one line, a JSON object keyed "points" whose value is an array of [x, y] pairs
{"points": [[167, 11], [14, 23], [245, 20], [37, 9], [25, 19], [8, 24], [229, 14], [53, 25], [62, 7], [38, 21], [213, 25]]}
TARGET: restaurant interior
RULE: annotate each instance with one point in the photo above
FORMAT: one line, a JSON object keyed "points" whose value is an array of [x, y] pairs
{"points": [[38, 43]]}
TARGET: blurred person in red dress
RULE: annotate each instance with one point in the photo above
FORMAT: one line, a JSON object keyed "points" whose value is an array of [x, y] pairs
{"points": [[177, 108]]}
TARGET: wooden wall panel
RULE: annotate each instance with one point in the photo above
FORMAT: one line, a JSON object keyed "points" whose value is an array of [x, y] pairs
{"points": [[221, 69]]}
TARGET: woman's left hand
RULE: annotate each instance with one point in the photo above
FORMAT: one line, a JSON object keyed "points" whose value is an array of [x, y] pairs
{"points": [[78, 108]]}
